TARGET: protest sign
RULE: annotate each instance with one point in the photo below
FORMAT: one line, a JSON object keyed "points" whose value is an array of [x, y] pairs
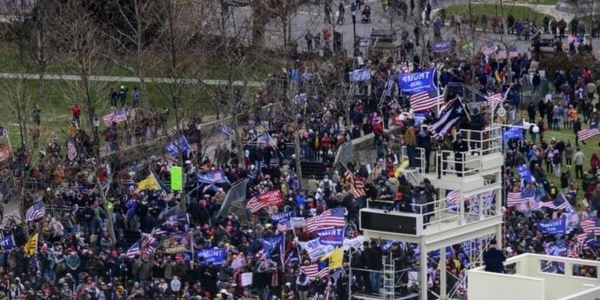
{"points": [[440, 47], [297, 222], [246, 279], [333, 236]]}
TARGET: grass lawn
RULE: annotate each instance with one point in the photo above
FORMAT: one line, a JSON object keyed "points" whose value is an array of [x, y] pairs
{"points": [[56, 117], [212, 68], [492, 10], [588, 149]]}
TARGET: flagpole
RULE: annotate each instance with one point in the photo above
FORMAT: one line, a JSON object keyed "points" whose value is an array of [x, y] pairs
{"points": [[438, 91], [464, 107]]}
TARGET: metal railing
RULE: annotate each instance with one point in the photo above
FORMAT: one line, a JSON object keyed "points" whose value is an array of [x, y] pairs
{"points": [[457, 208], [485, 141], [466, 92]]}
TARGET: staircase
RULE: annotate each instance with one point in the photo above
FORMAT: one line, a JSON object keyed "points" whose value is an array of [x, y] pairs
{"points": [[311, 168]]}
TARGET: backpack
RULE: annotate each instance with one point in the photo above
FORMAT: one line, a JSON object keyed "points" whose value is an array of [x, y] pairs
{"points": [[557, 158]]}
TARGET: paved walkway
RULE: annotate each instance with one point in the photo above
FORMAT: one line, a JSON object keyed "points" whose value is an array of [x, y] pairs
{"points": [[131, 79]]}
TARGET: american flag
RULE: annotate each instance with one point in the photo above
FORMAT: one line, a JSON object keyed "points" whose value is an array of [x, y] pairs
{"points": [[330, 218], [516, 198], [588, 226], [513, 51], [582, 240], [284, 226], [587, 134], [597, 227], [227, 131], [36, 211], [71, 150], [495, 99], [573, 252], [557, 204], [501, 54], [147, 240], [254, 205], [488, 48], [134, 250], [316, 270], [357, 187], [268, 140], [117, 116], [422, 101], [453, 197]]}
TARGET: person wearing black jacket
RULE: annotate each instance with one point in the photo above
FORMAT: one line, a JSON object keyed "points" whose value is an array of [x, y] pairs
{"points": [[373, 261], [576, 129], [460, 147], [424, 142], [494, 259]]}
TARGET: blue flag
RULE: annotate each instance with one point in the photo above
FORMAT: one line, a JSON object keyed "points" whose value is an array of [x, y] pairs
{"points": [[178, 146], [556, 226], [215, 256], [513, 133], [273, 244], [216, 177], [7, 242], [417, 82]]}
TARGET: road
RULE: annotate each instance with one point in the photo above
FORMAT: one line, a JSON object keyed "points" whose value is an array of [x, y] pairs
{"points": [[312, 18], [130, 79]]}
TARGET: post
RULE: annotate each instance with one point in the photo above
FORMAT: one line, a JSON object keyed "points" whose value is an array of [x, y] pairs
{"points": [[354, 29], [423, 266], [442, 266], [96, 136], [350, 271]]}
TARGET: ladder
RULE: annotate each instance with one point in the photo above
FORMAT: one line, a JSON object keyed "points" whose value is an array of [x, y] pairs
{"points": [[389, 278]]}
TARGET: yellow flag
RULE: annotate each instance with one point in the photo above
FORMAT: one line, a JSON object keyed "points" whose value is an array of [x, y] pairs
{"points": [[336, 258], [150, 183], [31, 246], [401, 167]]}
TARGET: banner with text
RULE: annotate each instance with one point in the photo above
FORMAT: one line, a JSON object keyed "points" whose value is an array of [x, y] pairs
{"points": [[417, 82]]}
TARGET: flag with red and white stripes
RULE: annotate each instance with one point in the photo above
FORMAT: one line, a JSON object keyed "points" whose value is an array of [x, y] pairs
{"points": [[501, 54], [488, 48], [334, 217], [453, 197], [422, 101], [588, 225], [495, 99], [516, 199], [587, 134], [357, 187], [316, 270], [71, 150]]}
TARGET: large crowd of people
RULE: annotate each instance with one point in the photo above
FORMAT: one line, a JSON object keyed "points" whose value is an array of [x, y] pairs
{"points": [[122, 229]]}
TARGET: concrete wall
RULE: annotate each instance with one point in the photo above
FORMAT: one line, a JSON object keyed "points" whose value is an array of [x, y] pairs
{"points": [[592, 294], [493, 286]]}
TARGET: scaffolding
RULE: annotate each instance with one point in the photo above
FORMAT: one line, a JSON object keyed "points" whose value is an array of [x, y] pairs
{"points": [[465, 212]]}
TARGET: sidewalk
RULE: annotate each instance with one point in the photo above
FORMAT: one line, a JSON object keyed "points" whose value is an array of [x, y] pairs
{"points": [[130, 79]]}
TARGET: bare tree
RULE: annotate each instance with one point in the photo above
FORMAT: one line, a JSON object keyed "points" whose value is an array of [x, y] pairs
{"points": [[139, 18], [77, 43], [182, 62]]}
